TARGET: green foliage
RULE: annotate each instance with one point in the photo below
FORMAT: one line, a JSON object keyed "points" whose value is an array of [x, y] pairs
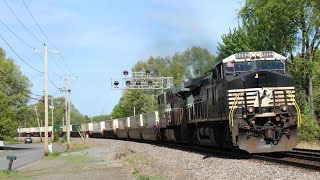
{"points": [[54, 154], [271, 24], [137, 171], [146, 177], [58, 113], [14, 95], [101, 118], [7, 173], [11, 140], [56, 137], [310, 129], [233, 42]]}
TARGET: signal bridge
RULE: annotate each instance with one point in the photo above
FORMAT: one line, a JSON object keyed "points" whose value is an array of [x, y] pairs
{"points": [[141, 80]]}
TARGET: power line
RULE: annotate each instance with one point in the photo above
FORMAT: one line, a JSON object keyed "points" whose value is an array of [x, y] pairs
{"points": [[38, 25], [16, 35], [55, 61], [66, 64], [47, 38], [22, 23], [53, 83], [19, 55]]}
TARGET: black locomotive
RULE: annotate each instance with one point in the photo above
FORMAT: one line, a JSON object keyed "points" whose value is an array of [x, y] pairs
{"points": [[247, 102]]}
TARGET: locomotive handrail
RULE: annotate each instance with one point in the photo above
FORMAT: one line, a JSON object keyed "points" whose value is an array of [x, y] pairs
{"points": [[296, 106], [235, 102]]}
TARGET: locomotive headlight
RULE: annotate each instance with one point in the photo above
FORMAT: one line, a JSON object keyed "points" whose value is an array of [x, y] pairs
{"points": [[250, 109], [284, 108]]}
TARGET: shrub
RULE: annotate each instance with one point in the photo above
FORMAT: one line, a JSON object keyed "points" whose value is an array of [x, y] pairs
{"points": [[309, 130]]}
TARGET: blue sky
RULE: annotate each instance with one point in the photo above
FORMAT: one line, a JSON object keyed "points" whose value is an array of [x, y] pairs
{"points": [[99, 39]]}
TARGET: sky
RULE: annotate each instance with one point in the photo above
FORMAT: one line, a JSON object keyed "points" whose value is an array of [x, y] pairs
{"points": [[100, 39]]}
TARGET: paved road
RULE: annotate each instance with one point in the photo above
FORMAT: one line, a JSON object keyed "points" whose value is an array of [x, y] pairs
{"points": [[26, 153]]}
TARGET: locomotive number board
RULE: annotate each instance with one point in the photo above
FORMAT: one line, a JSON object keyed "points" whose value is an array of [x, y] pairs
{"points": [[262, 54]]}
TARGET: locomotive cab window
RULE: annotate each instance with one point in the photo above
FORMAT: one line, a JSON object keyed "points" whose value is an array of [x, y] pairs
{"points": [[275, 65], [232, 67]]}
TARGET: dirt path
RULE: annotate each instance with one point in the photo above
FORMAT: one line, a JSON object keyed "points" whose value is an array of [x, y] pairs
{"points": [[85, 161]]}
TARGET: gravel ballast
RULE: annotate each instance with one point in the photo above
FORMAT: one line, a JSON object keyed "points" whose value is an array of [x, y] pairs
{"points": [[179, 164]]}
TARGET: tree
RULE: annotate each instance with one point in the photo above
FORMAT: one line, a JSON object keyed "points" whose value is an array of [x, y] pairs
{"points": [[284, 26], [14, 95], [233, 42], [58, 113], [199, 61]]}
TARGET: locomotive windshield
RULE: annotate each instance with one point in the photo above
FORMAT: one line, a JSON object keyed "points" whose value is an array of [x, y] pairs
{"points": [[261, 65]]}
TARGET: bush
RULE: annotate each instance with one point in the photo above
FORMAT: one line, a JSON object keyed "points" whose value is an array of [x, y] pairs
{"points": [[310, 129], [11, 140], [56, 137]]}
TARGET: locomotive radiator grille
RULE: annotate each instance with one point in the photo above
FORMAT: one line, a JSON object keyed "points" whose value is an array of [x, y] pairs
{"points": [[263, 97]]}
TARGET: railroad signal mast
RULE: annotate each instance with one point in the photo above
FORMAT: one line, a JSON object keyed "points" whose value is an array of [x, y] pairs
{"points": [[141, 80]]}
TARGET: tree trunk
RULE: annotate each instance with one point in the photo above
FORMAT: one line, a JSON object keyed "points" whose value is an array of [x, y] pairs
{"points": [[310, 94]]}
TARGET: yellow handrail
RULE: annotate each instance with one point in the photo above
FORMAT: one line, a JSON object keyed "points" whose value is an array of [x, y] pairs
{"points": [[235, 102], [296, 106]]}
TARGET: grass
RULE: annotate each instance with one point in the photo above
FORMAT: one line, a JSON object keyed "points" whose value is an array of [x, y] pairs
{"points": [[141, 166], [73, 147], [78, 159], [54, 154], [309, 145], [7, 173], [146, 177], [137, 171]]}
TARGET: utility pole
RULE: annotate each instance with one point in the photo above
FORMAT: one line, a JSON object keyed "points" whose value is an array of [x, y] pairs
{"points": [[67, 89], [46, 139]]}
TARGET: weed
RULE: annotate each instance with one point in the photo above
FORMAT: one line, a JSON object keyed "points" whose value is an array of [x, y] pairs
{"points": [[136, 171], [77, 147], [79, 159], [54, 154], [310, 130], [146, 177], [6, 173]]}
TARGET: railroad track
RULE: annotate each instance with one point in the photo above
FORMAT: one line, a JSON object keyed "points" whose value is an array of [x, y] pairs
{"points": [[302, 158]]}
